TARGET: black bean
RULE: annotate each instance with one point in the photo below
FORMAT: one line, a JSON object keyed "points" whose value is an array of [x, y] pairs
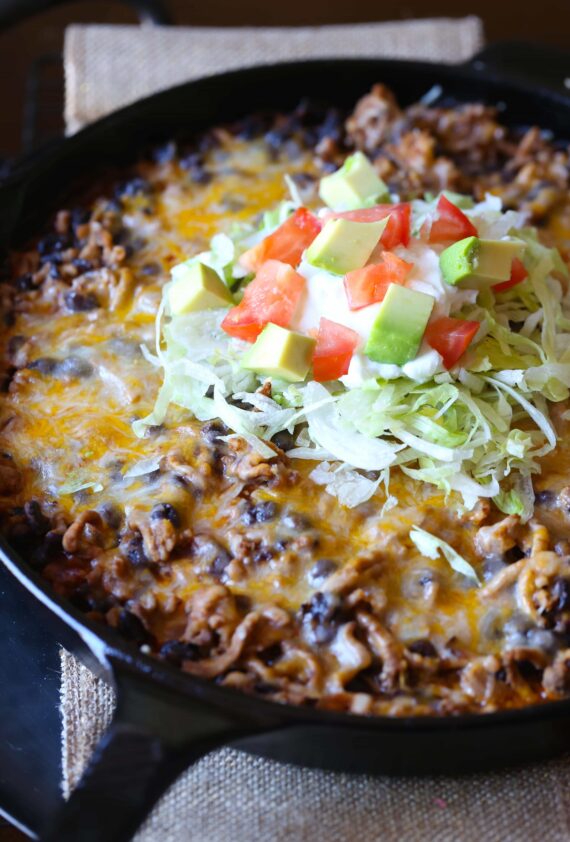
{"points": [[165, 511], [136, 186], [212, 430], [262, 554], [80, 216], [25, 282], [135, 244], [276, 138], [37, 521], [176, 651], [284, 440], [259, 513], [200, 176], [561, 594], [154, 430], [320, 617], [80, 302], [82, 265], [546, 498], [423, 647], [512, 555], [135, 552], [193, 159], [15, 343], [263, 688], [331, 125], [151, 268], [164, 154], [74, 367], [220, 564], [111, 514], [272, 654], [54, 243], [45, 365], [50, 547], [249, 127], [243, 602], [321, 570], [131, 627]]}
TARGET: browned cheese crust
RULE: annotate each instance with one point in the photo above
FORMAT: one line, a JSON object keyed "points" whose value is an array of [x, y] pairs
{"points": [[238, 568]]}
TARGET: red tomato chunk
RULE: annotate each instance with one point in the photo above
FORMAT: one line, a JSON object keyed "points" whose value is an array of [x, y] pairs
{"points": [[370, 284], [287, 243], [272, 296], [334, 349], [450, 337], [450, 224]]}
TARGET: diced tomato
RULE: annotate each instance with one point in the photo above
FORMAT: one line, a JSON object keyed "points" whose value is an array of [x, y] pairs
{"points": [[287, 243], [370, 284], [271, 297], [397, 230], [450, 224], [450, 337], [518, 274], [334, 349]]}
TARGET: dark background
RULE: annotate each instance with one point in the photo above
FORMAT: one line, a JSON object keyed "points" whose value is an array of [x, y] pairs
{"points": [[40, 39], [546, 20]]}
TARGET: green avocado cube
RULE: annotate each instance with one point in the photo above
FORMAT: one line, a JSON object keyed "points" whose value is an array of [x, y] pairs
{"points": [[477, 263], [355, 185], [278, 352], [343, 245], [197, 287], [399, 327]]}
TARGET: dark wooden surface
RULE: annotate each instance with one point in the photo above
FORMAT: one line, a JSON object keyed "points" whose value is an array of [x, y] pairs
{"points": [[547, 21]]}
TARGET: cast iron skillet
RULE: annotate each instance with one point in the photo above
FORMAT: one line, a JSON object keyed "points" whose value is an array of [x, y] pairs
{"points": [[165, 719]]}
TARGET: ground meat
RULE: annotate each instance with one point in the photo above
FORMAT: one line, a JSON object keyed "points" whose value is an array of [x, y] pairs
{"points": [[496, 540], [371, 122], [556, 679]]}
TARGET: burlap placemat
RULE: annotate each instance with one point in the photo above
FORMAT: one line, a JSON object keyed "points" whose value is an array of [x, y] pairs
{"points": [[107, 67], [229, 796]]}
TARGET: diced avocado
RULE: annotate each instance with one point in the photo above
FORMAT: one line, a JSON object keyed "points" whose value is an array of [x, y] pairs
{"points": [[473, 262], [344, 245], [197, 287], [355, 185], [398, 329], [278, 352]]}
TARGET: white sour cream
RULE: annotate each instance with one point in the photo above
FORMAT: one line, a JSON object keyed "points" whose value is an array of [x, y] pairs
{"points": [[325, 296]]}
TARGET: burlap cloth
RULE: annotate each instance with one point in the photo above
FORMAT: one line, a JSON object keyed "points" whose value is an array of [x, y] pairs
{"points": [[229, 796]]}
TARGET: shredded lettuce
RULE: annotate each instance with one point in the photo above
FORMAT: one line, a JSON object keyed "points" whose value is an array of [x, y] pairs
{"points": [[476, 431]]}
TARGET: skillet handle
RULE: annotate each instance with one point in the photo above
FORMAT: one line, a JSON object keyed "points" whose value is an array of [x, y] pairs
{"points": [[154, 736], [536, 65]]}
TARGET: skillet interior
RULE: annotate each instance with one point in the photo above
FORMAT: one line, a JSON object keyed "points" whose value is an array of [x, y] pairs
{"points": [[406, 744]]}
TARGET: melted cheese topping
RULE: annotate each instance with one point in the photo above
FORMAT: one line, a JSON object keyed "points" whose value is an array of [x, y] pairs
{"points": [[72, 440]]}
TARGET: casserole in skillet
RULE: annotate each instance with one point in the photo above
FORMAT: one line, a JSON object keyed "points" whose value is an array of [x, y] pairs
{"points": [[391, 542]]}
